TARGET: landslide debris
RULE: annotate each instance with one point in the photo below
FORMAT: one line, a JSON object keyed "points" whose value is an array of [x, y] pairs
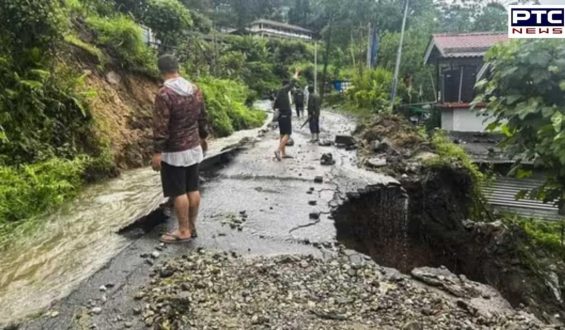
{"points": [[213, 290], [392, 144]]}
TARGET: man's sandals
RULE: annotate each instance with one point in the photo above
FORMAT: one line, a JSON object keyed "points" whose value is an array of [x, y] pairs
{"points": [[171, 238]]}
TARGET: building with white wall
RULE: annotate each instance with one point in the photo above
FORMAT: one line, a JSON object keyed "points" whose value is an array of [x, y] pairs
{"points": [[268, 28], [458, 59]]}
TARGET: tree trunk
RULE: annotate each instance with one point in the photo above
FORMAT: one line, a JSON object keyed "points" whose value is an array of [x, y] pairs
{"points": [[326, 61]]}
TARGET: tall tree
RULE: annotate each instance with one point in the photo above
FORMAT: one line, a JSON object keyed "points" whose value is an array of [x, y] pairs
{"points": [[493, 17], [526, 96], [300, 13]]}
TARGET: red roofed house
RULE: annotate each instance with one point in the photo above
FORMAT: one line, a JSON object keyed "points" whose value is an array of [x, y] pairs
{"points": [[459, 59]]}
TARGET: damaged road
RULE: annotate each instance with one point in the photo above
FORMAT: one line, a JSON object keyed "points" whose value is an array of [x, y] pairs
{"points": [[267, 257]]}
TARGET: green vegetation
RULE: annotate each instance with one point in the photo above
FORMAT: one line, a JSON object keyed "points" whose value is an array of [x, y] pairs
{"points": [[451, 155], [548, 235], [122, 38], [168, 19], [525, 95], [90, 49], [225, 101], [371, 90], [27, 191], [46, 125], [49, 146], [259, 63]]}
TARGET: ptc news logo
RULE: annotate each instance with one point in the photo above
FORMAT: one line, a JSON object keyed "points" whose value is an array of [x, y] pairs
{"points": [[536, 21]]}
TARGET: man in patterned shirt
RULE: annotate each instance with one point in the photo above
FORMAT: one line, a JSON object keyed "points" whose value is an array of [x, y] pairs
{"points": [[179, 132]]}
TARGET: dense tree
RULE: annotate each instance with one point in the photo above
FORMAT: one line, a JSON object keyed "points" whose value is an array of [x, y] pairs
{"points": [[300, 13], [168, 19], [493, 17], [526, 97]]}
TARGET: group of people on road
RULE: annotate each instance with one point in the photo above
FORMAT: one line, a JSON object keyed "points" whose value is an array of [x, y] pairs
{"points": [[180, 129], [282, 107]]}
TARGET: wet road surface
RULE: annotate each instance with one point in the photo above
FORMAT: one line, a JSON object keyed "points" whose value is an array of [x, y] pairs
{"points": [[253, 206], [277, 198]]}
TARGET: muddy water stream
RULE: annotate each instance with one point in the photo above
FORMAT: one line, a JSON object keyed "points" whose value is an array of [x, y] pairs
{"points": [[80, 238], [73, 243]]}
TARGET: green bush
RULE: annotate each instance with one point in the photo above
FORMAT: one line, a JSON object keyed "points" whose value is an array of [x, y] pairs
{"points": [[28, 190], [94, 51], [122, 37], [546, 234], [371, 90], [451, 155], [225, 102], [28, 27], [201, 23], [42, 114], [168, 19], [525, 93]]}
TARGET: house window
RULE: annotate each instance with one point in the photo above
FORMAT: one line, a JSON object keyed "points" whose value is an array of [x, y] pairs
{"points": [[458, 83], [468, 83]]}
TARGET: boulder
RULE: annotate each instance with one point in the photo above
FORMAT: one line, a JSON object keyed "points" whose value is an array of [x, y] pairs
{"points": [[384, 146], [346, 140], [376, 162], [113, 78], [327, 160]]}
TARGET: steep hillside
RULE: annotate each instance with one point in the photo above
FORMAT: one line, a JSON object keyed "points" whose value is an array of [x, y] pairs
{"points": [[77, 83]]}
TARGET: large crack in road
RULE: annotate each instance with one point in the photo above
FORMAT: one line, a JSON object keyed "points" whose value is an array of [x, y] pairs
{"points": [[259, 208]]}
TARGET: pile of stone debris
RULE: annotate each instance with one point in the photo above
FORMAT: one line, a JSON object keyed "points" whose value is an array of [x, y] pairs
{"points": [[391, 144], [213, 290]]}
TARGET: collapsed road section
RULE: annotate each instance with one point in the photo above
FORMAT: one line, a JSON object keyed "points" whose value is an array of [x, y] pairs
{"points": [[263, 260]]}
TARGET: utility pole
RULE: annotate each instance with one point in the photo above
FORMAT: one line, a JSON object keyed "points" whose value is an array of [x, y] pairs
{"points": [[326, 59], [315, 66], [351, 48], [398, 57], [369, 41]]}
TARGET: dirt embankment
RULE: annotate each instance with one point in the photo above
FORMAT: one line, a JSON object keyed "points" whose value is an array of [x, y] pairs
{"points": [[121, 104], [122, 110], [435, 227]]}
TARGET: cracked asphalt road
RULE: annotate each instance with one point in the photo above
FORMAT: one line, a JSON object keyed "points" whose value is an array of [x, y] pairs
{"points": [[278, 199]]}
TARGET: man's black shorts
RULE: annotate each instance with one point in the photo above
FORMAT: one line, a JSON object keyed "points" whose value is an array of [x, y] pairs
{"points": [[178, 181], [285, 125]]}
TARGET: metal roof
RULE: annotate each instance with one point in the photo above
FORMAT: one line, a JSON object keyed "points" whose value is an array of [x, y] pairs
{"points": [[501, 194], [463, 44], [281, 25]]}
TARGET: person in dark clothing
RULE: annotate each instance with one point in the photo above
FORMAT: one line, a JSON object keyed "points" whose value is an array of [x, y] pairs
{"points": [[282, 104], [299, 102], [314, 105], [179, 135]]}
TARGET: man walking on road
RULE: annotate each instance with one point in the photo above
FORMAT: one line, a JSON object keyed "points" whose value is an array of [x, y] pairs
{"points": [[179, 133], [299, 101], [314, 106], [282, 104]]}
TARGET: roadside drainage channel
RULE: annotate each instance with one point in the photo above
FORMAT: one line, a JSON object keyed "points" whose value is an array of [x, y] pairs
{"points": [[421, 223]]}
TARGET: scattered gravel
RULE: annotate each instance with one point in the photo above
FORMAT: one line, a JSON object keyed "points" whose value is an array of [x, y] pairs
{"points": [[208, 290], [235, 221]]}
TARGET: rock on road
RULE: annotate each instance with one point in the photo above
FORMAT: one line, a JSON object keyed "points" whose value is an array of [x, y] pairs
{"points": [[261, 210]]}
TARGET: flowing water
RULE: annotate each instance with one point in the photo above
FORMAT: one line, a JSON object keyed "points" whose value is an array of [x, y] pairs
{"points": [[73, 243], [77, 240]]}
